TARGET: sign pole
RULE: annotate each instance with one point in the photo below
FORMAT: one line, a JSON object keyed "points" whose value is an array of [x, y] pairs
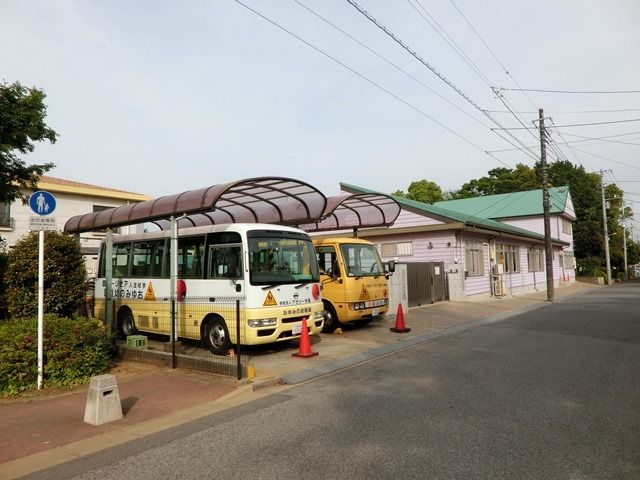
{"points": [[40, 307], [43, 204]]}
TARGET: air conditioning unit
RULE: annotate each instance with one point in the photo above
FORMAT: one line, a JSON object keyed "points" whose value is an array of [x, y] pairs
{"points": [[499, 287]]}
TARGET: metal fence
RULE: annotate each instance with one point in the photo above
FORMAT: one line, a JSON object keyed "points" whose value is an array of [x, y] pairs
{"points": [[185, 322]]}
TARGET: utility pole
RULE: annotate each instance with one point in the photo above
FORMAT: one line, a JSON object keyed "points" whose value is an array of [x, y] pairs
{"points": [[624, 244], [548, 251], [606, 230]]}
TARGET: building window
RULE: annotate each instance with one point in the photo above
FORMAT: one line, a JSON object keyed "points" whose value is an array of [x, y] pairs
{"points": [[535, 259], [566, 226], [397, 249], [509, 257], [568, 260], [474, 258], [5, 215]]}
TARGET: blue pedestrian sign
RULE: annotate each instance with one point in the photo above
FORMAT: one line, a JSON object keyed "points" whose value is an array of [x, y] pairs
{"points": [[42, 203]]}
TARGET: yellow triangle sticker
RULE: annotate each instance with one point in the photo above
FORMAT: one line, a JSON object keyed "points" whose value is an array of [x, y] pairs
{"points": [[364, 293], [270, 301], [149, 294]]}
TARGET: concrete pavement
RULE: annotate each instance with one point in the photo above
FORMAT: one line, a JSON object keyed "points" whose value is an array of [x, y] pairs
{"points": [[43, 429]]}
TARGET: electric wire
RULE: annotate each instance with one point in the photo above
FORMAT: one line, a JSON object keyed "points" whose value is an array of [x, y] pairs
{"points": [[389, 62], [598, 92], [506, 71], [579, 124], [449, 40], [433, 70], [607, 159], [368, 80]]}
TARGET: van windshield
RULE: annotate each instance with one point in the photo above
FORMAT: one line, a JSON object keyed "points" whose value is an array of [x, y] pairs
{"points": [[361, 260], [277, 258]]}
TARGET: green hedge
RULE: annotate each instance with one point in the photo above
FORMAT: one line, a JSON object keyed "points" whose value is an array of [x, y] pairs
{"points": [[75, 349]]}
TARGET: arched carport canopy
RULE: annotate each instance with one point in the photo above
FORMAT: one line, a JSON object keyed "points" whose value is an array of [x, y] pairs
{"points": [[285, 201], [360, 210]]}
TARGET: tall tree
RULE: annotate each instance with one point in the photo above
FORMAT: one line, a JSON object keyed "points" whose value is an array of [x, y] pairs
{"points": [[22, 122], [422, 191], [500, 180]]}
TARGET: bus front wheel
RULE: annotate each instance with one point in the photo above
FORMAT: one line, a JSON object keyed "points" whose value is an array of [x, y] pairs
{"points": [[216, 336], [331, 321]]}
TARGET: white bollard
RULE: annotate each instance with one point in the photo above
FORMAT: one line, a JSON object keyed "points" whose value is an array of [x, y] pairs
{"points": [[103, 401]]}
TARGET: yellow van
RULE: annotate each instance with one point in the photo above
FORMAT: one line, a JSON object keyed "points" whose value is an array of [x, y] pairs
{"points": [[354, 281]]}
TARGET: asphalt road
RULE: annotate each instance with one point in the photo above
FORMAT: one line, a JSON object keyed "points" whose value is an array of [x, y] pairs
{"points": [[550, 394]]}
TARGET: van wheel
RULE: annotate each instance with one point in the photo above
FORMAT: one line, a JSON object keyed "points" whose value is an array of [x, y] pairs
{"points": [[216, 336], [331, 321], [126, 324]]}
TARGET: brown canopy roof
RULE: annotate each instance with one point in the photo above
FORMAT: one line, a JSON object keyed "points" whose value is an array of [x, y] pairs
{"points": [[359, 210], [262, 199]]}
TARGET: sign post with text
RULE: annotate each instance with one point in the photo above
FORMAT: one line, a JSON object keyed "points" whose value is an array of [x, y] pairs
{"points": [[43, 204]]}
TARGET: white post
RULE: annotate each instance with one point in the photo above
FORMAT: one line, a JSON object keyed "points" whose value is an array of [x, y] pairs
{"points": [[40, 307]]}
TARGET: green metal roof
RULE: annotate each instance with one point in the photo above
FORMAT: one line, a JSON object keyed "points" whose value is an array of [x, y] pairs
{"points": [[470, 220], [509, 205]]}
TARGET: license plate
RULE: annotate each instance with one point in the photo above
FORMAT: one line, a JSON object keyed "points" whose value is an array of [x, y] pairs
{"points": [[375, 312], [297, 329]]}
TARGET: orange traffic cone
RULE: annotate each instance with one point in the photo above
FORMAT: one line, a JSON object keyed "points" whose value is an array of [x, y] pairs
{"points": [[400, 328], [305, 342]]}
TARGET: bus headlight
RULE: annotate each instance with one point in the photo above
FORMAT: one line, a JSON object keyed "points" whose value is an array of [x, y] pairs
{"points": [[357, 306], [262, 322], [318, 315]]}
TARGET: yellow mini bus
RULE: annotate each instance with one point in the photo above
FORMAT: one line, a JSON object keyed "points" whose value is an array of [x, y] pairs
{"points": [[354, 281], [273, 269]]}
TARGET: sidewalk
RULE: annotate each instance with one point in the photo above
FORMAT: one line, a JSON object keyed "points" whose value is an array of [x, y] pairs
{"points": [[43, 429]]}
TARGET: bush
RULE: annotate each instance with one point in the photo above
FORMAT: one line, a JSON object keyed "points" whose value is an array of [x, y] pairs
{"points": [[64, 276], [75, 349]]}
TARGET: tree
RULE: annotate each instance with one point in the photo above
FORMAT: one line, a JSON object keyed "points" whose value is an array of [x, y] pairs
{"points": [[422, 191], [64, 275], [501, 180], [22, 114]]}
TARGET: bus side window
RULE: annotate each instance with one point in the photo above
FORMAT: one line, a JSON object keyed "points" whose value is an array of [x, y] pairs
{"points": [[121, 260], [147, 259], [225, 261], [327, 261], [190, 257]]}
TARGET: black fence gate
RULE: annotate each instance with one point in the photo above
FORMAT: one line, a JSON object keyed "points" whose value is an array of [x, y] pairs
{"points": [[426, 283]]}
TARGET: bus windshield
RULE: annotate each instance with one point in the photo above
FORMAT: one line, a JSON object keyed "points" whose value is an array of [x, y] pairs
{"points": [[277, 258], [361, 260]]}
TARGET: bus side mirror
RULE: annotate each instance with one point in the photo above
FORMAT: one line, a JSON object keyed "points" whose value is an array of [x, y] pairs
{"points": [[238, 287], [391, 266]]}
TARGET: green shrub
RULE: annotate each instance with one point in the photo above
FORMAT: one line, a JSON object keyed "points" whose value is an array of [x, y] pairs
{"points": [[64, 276], [75, 349]]}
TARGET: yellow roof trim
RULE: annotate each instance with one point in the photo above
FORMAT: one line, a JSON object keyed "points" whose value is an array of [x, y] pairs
{"points": [[75, 188]]}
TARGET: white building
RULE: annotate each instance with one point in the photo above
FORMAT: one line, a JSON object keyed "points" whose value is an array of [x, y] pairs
{"points": [[72, 198]]}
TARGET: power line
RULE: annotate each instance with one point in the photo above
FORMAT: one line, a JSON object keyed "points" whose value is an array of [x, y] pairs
{"points": [[599, 92], [578, 124], [585, 139], [506, 71], [573, 111], [450, 41], [363, 77], [414, 54], [607, 159], [383, 58]]}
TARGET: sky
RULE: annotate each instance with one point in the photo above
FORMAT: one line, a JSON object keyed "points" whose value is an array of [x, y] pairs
{"points": [[159, 97]]}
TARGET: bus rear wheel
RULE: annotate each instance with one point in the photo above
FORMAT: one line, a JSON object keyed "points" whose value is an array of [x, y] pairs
{"points": [[216, 336], [126, 324]]}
